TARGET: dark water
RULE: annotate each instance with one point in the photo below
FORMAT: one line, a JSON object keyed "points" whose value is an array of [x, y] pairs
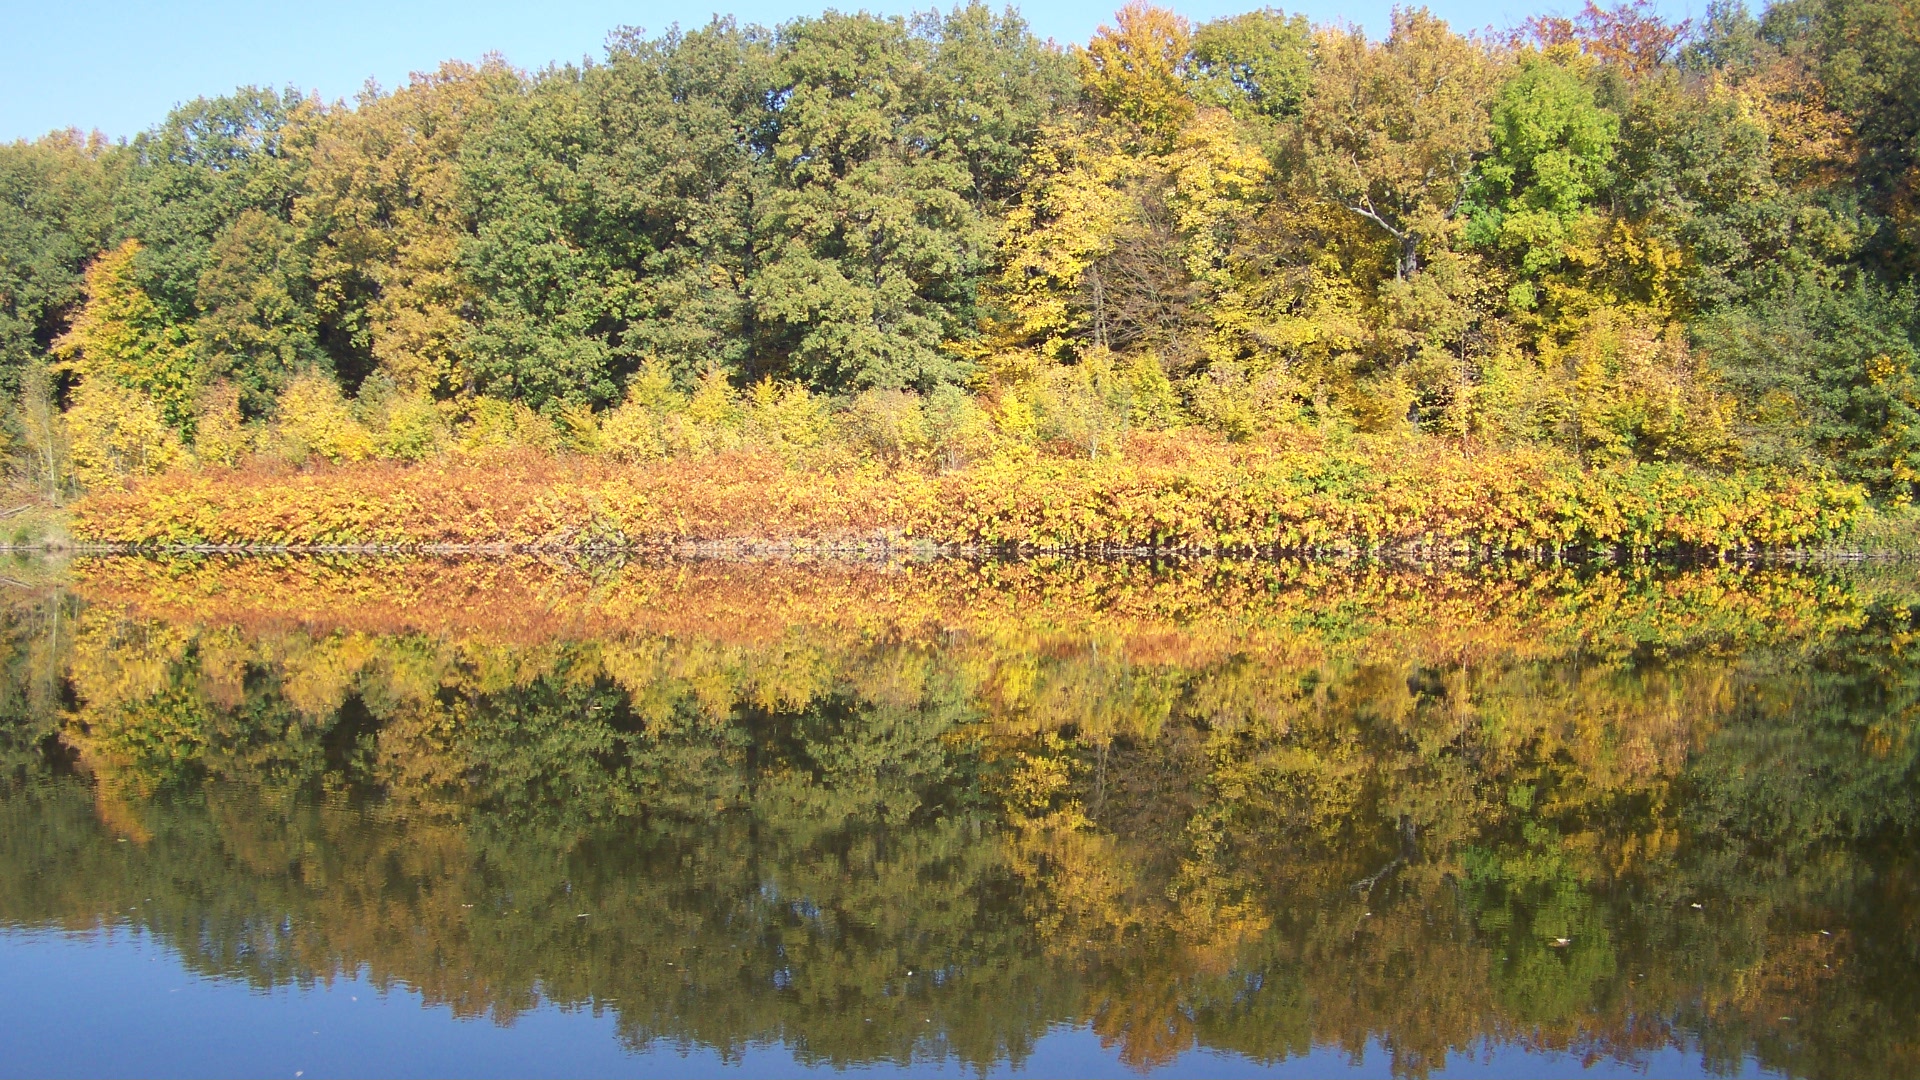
{"points": [[1235, 819]]}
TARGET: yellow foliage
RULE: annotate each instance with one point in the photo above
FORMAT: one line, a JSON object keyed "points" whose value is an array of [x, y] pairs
{"points": [[1071, 215], [1623, 385], [1137, 69], [313, 420], [780, 415], [118, 433], [714, 404], [219, 436], [494, 425], [383, 204], [1241, 400], [122, 335], [887, 426], [636, 431], [414, 428]]}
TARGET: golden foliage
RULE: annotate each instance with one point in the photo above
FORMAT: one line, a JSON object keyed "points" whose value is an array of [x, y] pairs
{"points": [[1304, 496], [117, 433], [314, 421]]}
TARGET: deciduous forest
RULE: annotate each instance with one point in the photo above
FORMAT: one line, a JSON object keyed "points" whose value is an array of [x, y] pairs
{"points": [[1666, 269]]}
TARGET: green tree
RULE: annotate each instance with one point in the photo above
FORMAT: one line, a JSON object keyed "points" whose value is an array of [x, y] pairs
{"points": [[1256, 64], [258, 326], [881, 240], [56, 214], [194, 175], [1551, 155]]}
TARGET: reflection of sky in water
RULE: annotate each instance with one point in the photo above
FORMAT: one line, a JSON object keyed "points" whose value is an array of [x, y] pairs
{"points": [[118, 1003]]}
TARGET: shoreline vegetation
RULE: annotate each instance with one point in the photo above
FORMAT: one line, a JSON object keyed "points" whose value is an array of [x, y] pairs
{"points": [[1234, 500], [1598, 286]]}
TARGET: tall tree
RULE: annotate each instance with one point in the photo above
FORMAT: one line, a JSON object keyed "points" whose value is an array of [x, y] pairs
{"points": [[1136, 69], [56, 214], [192, 177], [383, 214], [883, 239], [1552, 149], [1393, 129], [1259, 63]]}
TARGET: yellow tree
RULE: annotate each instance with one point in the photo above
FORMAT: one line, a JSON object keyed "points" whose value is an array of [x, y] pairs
{"points": [[1072, 215], [383, 208], [1124, 239], [138, 374], [1392, 129], [123, 336], [1137, 69]]}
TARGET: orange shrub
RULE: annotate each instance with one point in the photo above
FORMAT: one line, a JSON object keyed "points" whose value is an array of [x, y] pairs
{"points": [[1218, 498]]}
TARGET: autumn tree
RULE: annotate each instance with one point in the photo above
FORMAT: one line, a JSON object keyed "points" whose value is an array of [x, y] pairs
{"points": [[1136, 70], [384, 216], [1393, 129], [122, 335]]}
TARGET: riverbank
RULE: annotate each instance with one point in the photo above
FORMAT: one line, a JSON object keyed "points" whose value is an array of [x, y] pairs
{"points": [[1408, 496]]}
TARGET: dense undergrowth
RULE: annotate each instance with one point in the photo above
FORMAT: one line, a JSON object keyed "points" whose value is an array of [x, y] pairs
{"points": [[1187, 496]]}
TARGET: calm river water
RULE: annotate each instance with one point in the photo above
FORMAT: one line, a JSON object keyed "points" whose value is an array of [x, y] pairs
{"points": [[407, 817]]}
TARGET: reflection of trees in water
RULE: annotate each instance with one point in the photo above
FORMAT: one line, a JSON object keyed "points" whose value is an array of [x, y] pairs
{"points": [[1423, 809]]}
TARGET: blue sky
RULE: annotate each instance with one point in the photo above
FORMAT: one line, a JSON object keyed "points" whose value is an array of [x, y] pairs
{"points": [[118, 66]]}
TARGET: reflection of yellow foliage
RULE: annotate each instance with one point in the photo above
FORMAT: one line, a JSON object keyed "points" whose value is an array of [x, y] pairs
{"points": [[318, 677], [119, 814], [1173, 760]]}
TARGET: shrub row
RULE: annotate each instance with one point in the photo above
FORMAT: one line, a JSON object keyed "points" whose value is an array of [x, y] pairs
{"points": [[1378, 498]]}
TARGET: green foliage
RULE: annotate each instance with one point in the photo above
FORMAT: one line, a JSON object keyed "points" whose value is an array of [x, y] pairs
{"points": [[257, 326], [1828, 371], [884, 237], [1255, 64], [1552, 146], [56, 213], [193, 177]]}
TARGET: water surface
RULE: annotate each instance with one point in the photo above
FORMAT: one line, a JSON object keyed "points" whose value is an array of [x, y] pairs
{"points": [[412, 817]]}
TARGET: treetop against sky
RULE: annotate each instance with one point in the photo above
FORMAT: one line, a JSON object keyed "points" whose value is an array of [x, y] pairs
{"points": [[119, 66]]}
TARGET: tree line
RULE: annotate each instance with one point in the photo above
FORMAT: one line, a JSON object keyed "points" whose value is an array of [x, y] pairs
{"points": [[1623, 238]]}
